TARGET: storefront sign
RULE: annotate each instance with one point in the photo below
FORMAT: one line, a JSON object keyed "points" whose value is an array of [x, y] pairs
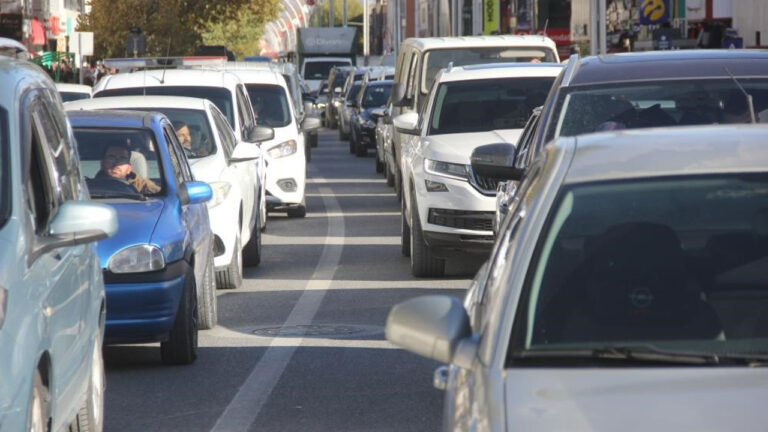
{"points": [[654, 11], [11, 26], [490, 16]]}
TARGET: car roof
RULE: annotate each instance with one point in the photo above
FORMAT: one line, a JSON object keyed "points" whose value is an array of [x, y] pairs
{"points": [[479, 41], [207, 77], [259, 76], [78, 88], [114, 118], [118, 102], [677, 64], [326, 59], [662, 152], [500, 70], [15, 71]]}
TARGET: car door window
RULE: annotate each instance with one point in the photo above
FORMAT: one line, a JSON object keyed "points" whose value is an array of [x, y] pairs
{"points": [[175, 145], [247, 117], [228, 139], [43, 196], [174, 157], [412, 68]]}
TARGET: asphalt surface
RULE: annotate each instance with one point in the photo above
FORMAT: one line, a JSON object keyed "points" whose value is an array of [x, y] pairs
{"points": [[300, 347]]}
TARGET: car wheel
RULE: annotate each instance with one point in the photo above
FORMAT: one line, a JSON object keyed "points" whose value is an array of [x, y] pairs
{"points": [[181, 346], [423, 261], [90, 418], [379, 163], [262, 213], [360, 149], [208, 314], [297, 212], [343, 135], [307, 150], [232, 276], [37, 414], [405, 233], [313, 140], [388, 175], [252, 249], [399, 184]]}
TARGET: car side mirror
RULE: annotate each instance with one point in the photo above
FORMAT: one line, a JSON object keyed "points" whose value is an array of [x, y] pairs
{"points": [[310, 124], [496, 161], [245, 151], [80, 222], [430, 326], [259, 134], [407, 123], [195, 192], [378, 112], [337, 90]]}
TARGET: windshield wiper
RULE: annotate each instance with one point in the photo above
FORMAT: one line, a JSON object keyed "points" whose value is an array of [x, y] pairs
{"points": [[646, 353], [127, 195]]}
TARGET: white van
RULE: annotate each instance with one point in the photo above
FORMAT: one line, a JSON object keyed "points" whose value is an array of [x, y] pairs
{"points": [[420, 59]]}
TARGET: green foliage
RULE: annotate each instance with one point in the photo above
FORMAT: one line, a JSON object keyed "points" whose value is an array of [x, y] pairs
{"points": [[242, 32], [354, 12]]}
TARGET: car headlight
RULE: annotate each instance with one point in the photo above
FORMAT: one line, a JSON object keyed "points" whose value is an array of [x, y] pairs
{"points": [[282, 150], [220, 193], [137, 259], [446, 169]]}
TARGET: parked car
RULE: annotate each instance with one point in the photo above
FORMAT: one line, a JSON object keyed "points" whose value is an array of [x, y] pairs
{"points": [[372, 95], [162, 255], [216, 157], [625, 276], [285, 153], [447, 208], [52, 301], [420, 59], [73, 92]]}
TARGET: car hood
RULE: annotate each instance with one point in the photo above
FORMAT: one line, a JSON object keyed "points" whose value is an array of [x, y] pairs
{"points": [[206, 169], [636, 399], [136, 223], [457, 148]]}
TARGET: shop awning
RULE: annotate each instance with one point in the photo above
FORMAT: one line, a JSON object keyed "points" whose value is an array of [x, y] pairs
{"points": [[38, 32]]}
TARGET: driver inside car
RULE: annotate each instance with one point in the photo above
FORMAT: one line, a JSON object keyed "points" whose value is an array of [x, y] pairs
{"points": [[116, 164]]}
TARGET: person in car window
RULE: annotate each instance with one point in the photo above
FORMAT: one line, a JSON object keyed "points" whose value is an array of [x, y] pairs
{"points": [[116, 164], [190, 138]]}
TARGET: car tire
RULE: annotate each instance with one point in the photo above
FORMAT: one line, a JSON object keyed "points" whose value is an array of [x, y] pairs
{"points": [[262, 213], [38, 410], [232, 276], [378, 162], [388, 175], [405, 233], [252, 249], [360, 149], [297, 212], [398, 184], [208, 314], [423, 262], [313, 140], [181, 346], [343, 135], [90, 418], [307, 151]]}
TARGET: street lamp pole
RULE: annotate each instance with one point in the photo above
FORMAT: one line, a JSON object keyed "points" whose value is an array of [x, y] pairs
{"points": [[366, 32]]}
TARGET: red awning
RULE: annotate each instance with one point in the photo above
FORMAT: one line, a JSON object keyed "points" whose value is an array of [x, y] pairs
{"points": [[38, 32]]}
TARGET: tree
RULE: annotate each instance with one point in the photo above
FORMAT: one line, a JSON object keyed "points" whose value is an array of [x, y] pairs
{"points": [[242, 32], [354, 10]]}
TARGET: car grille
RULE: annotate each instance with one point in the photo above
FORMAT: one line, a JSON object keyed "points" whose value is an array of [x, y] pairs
{"points": [[462, 219], [486, 185]]}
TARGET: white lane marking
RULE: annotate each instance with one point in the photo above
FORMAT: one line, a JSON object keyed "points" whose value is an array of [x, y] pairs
{"points": [[224, 337], [343, 180], [359, 195], [268, 285], [352, 214], [334, 240], [256, 389]]}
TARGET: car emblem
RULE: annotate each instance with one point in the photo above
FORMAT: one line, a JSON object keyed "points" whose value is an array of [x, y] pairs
{"points": [[641, 297]]}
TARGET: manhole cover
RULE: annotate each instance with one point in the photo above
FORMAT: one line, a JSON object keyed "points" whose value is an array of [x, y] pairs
{"points": [[317, 330]]}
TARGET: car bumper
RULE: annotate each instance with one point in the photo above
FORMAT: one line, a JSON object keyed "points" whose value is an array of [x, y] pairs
{"points": [[286, 178], [141, 307]]}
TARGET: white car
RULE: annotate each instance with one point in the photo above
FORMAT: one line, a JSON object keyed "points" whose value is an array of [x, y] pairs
{"points": [[285, 153], [73, 92], [626, 292], [447, 209], [217, 158], [316, 69], [210, 82]]}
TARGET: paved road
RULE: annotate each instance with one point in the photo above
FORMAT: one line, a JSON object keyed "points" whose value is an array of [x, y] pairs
{"points": [[300, 347]]}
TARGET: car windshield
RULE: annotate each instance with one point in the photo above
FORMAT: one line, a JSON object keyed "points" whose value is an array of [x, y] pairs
{"points": [[435, 60], [318, 70], [483, 105], [132, 151], [677, 263], [220, 96], [352, 95], [193, 129], [659, 104], [73, 96], [269, 104], [376, 96]]}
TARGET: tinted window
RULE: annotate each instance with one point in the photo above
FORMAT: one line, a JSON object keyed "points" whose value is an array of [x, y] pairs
{"points": [[220, 96], [318, 70], [676, 263], [438, 59], [201, 141], [269, 105], [482, 105], [352, 95], [228, 139], [73, 96], [376, 96]]}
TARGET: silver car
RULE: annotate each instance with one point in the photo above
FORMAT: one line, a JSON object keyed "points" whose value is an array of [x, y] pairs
{"points": [[52, 301], [627, 290]]}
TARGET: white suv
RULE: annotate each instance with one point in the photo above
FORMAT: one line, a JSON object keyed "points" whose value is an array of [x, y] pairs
{"points": [[448, 210]]}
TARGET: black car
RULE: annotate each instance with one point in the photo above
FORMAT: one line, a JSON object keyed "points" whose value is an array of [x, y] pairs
{"points": [[374, 94]]}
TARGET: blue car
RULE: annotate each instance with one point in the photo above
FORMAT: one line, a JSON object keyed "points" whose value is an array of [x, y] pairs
{"points": [[161, 257]]}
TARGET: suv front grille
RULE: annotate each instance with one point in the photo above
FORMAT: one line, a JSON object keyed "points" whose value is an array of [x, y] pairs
{"points": [[486, 185], [462, 219]]}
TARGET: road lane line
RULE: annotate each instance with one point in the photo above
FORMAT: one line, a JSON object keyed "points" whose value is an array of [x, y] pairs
{"points": [[331, 240], [254, 393]]}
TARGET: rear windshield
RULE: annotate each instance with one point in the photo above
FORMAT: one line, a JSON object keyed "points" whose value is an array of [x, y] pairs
{"points": [[73, 96], [220, 96], [483, 105], [318, 70], [352, 95], [376, 96], [438, 59], [269, 104]]}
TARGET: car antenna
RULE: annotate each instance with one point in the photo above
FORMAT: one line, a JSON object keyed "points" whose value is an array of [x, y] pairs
{"points": [[747, 95], [165, 63], [546, 24]]}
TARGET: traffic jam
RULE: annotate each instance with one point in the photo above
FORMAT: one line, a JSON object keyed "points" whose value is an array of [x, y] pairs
{"points": [[461, 233]]}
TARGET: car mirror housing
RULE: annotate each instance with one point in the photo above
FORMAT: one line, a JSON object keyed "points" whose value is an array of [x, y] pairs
{"points": [[245, 151], [430, 326], [398, 95], [337, 90], [407, 123], [496, 161], [378, 112], [310, 124], [259, 134], [79, 222], [195, 192]]}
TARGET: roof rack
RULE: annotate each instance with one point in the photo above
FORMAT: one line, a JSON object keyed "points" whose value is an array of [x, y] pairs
{"points": [[164, 62]]}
